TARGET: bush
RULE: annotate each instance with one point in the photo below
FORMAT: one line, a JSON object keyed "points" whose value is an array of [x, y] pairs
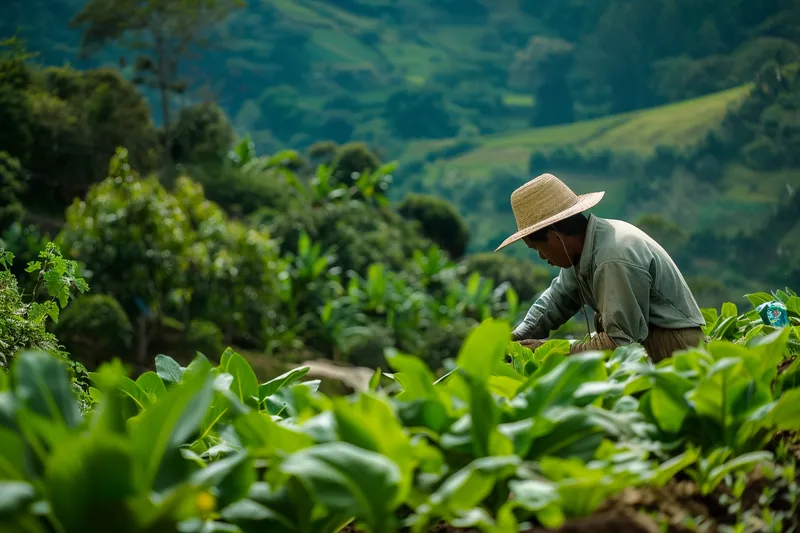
{"points": [[527, 278], [202, 134], [351, 159], [420, 113], [95, 329], [23, 322], [243, 193], [708, 168], [439, 221], [366, 346], [444, 342], [762, 154]]}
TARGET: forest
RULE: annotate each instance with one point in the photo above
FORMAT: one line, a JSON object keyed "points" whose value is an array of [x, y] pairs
{"points": [[247, 281]]}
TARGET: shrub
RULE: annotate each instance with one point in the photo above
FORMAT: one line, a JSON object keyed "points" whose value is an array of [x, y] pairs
{"points": [[439, 221], [202, 134], [762, 154], [95, 329], [444, 342], [353, 158], [23, 321], [527, 278], [366, 346]]}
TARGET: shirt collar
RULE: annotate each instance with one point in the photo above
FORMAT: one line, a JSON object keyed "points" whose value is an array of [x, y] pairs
{"points": [[588, 246]]}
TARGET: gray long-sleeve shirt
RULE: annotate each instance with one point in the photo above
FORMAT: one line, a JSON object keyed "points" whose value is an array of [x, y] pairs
{"points": [[625, 276]]}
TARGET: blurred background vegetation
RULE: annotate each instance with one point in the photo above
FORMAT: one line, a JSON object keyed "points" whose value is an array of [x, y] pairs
{"points": [[311, 179]]}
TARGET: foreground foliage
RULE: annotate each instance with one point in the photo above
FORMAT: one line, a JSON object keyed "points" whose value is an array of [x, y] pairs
{"points": [[493, 444]]}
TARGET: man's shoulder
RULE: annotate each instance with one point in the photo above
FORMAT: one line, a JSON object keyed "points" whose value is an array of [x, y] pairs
{"points": [[620, 241]]}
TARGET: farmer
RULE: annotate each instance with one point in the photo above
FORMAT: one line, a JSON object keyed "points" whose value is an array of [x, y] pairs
{"points": [[635, 289]]}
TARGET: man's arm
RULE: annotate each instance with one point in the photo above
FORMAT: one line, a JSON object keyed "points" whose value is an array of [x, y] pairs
{"points": [[551, 310], [622, 291]]}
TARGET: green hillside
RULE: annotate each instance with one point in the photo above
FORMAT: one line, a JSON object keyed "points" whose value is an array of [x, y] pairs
{"points": [[294, 72], [678, 126]]}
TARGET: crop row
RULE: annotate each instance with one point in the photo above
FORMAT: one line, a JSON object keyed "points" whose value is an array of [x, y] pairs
{"points": [[507, 439]]}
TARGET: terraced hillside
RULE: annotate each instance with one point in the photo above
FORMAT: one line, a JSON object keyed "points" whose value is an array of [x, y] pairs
{"points": [[293, 72], [498, 162]]}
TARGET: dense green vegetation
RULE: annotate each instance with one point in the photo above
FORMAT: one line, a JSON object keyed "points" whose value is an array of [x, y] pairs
{"points": [[309, 189], [539, 438]]}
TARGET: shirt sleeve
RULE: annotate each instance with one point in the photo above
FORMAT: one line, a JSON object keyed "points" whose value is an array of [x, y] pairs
{"points": [[557, 304], [622, 292]]}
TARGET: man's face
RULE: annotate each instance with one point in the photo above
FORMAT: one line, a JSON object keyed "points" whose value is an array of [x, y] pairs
{"points": [[550, 250]]}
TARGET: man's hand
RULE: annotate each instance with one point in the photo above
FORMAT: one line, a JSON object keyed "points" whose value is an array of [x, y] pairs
{"points": [[532, 344]]}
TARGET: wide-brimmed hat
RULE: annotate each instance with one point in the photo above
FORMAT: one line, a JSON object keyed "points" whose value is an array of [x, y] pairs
{"points": [[543, 201]]}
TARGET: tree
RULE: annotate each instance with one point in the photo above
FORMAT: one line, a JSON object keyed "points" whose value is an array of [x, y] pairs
{"points": [[203, 134], [11, 188], [160, 32], [172, 255], [439, 221], [420, 113], [134, 238], [542, 67]]}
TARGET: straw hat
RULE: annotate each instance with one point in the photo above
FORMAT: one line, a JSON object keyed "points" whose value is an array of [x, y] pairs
{"points": [[543, 201]]}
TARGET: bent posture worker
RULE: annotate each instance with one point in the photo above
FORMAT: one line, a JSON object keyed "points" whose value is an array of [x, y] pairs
{"points": [[636, 290]]}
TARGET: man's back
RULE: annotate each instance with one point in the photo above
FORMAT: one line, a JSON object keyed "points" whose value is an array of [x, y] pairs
{"points": [[614, 248]]}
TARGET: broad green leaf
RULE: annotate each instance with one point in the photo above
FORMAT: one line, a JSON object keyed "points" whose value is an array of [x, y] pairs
{"points": [[723, 328], [558, 386], [520, 434], [91, 479], [504, 386], [231, 477], [245, 382], [15, 497], [671, 467], [274, 385], [41, 383], [729, 310], [742, 462], [466, 488], [12, 458], [264, 437], [349, 480], [168, 425], [666, 399], [710, 316], [375, 380], [168, 369], [225, 357], [566, 432], [759, 298], [484, 349], [793, 305], [785, 415], [416, 377], [152, 384], [371, 423], [790, 378], [135, 393], [581, 489], [289, 508], [539, 497]]}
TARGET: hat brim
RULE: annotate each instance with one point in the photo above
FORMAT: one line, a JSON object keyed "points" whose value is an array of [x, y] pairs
{"points": [[585, 201]]}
